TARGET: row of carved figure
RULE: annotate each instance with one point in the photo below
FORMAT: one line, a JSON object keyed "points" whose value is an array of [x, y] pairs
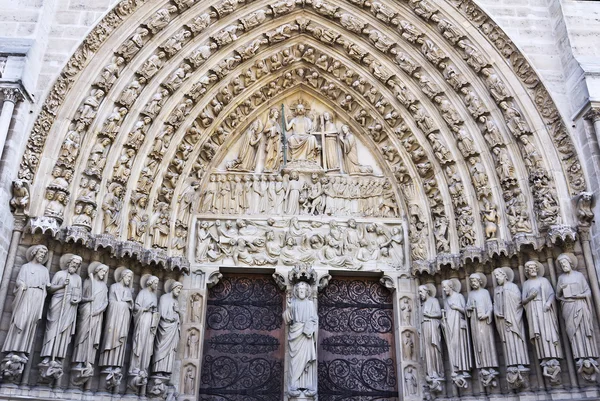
{"points": [[97, 319], [349, 245], [467, 326], [87, 209], [376, 37], [295, 194]]}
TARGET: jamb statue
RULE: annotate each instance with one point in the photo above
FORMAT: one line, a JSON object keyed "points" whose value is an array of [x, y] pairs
{"points": [[575, 295], [30, 292], [61, 316], [89, 322]]}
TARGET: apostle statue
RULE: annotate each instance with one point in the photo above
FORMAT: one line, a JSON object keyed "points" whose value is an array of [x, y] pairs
{"points": [[456, 331], [508, 313], [61, 316], [93, 303], [145, 318], [574, 294], [301, 316], [29, 295], [431, 337], [118, 320], [538, 299], [168, 333], [479, 310], [301, 142]]}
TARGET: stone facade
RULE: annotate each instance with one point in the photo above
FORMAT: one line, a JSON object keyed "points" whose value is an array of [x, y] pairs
{"points": [[442, 155]]}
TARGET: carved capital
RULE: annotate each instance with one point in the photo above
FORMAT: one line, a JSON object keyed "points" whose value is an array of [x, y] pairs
{"points": [[593, 114], [12, 95]]}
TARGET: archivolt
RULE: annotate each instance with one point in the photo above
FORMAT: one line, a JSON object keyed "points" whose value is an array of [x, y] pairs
{"points": [[462, 142]]}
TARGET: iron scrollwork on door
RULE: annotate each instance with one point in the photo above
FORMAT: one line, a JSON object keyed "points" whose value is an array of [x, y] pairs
{"points": [[356, 342], [243, 352]]}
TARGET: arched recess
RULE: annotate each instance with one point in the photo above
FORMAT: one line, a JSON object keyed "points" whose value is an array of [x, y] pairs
{"points": [[476, 134]]}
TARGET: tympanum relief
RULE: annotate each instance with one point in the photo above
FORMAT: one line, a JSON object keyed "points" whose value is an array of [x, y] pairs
{"points": [[299, 194]]}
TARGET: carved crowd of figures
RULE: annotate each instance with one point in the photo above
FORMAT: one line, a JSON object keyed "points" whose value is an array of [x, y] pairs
{"points": [[298, 194], [95, 319], [349, 245], [467, 326], [362, 87]]}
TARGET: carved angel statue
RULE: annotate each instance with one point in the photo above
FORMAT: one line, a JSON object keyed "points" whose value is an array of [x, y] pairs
{"points": [[301, 316]]}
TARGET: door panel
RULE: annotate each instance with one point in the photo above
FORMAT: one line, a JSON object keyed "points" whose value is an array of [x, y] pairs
{"points": [[356, 342], [244, 341]]}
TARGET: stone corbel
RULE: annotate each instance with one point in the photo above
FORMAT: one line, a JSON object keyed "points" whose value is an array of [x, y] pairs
{"points": [[324, 281], [388, 282], [280, 280], [214, 278]]}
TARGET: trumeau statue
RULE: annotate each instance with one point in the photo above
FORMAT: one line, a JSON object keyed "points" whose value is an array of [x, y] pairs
{"points": [[431, 337], [456, 332], [94, 301], [479, 309], [61, 316], [30, 292], [116, 327], [146, 318], [508, 313], [538, 299], [301, 316], [168, 332], [574, 294]]}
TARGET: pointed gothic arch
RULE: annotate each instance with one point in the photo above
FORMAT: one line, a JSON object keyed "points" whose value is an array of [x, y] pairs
{"points": [[159, 96]]}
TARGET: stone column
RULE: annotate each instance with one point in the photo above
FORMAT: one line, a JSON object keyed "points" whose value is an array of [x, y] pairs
{"points": [[10, 98], [593, 115], [20, 222], [584, 233]]}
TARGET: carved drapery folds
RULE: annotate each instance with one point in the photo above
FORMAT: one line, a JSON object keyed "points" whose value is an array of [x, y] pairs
{"points": [[91, 326], [413, 82], [350, 135]]}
